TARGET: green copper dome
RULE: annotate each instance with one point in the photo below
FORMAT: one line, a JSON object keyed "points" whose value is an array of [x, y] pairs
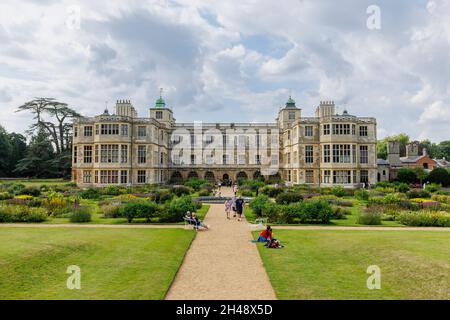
{"points": [[160, 103], [290, 103]]}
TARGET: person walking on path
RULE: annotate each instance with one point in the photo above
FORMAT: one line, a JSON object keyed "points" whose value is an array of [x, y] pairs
{"points": [[228, 205], [235, 189], [240, 207]]}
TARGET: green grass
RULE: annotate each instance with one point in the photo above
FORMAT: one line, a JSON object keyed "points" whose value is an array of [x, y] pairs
{"points": [[350, 221], [115, 263], [98, 218], [36, 182], [332, 264]]}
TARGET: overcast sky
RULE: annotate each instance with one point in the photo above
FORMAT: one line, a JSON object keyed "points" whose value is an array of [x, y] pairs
{"points": [[231, 60]]}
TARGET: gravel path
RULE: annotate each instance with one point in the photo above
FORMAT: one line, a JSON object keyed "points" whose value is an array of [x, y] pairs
{"points": [[222, 264]]}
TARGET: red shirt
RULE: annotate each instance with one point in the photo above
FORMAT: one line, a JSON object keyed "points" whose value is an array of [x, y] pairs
{"points": [[267, 234]]}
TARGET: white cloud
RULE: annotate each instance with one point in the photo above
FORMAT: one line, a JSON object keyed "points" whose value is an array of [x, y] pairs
{"points": [[199, 51]]}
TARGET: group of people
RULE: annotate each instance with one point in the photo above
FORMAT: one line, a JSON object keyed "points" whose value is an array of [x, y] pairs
{"points": [[267, 237], [192, 219], [235, 204]]}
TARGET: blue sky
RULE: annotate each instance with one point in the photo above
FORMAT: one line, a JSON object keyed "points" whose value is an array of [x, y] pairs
{"points": [[232, 60]]}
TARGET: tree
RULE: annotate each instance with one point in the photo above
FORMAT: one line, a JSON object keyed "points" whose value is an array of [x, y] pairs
{"points": [[443, 150], [406, 175], [5, 154], [421, 174], [53, 117], [38, 161], [18, 150], [439, 176]]}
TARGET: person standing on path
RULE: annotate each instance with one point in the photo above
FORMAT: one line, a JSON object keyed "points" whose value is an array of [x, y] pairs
{"points": [[235, 189], [228, 204], [240, 207]]}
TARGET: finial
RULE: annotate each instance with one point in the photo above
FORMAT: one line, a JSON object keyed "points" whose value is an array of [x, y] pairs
{"points": [[161, 92]]}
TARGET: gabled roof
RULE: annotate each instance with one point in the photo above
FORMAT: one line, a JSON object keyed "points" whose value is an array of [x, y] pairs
{"points": [[413, 159], [382, 162]]}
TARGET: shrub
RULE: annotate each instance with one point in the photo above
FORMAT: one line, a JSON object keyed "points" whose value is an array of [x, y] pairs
{"points": [[288, 197], [402, 187], [111, 191], [258, 204], [195, 184], [416, 193], [432, 187], [30, 191], [316, 211], [90, 193], [110, 211], [289, 213], [13, 213], [340, 213], [175, 210], [369, 217], [425, 218], [343, 203], [35, 203], [271, 211], [15, 188], [80, 214], [5, 196], [204, 193], [181, 190], [161, 196], [406, 175], [439, 176], [338, 191], [139, 209], [272, 192], [362, 195], [252, 184], [441, 198], [247, 193]]}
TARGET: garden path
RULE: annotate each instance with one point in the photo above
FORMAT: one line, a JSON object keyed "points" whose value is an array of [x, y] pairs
{"points": [[222, 263]]}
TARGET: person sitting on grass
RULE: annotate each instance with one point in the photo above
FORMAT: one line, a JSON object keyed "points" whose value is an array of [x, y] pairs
{"points": [[265, 235], [198, 222], [274, 244]]}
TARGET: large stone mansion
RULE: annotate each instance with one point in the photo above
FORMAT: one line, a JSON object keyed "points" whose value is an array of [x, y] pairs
{"points": [[124, 149]]}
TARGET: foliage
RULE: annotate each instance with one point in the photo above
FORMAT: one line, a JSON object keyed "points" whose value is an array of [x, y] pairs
{"points": [[288, 197], [369, 217], [258, 204], [362, 195], [5, 196], [252, 184], [204, 193], [13, 213], [80, 214], [441, 198], [432, 187], [195, 184], [139, 209], [340, 213], [110, 191], [90, 193], [110, 210], [425, 218], [338, 191], [272, 192], [439, 176], [406, 175], [181, 190], [316, 211], [247, 193], [31, 191], [418, 193], [161, 196], [382, 144], [175, 210]]}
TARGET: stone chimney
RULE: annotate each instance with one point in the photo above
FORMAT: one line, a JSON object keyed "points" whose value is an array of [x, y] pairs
{"points": [[393, 153], [412, 149], [424, 152]]}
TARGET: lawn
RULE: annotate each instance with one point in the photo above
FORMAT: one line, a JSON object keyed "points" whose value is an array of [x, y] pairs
{"points": [[332, 264], [98, 218], [350, 221], [115, 263], [36, 182]]}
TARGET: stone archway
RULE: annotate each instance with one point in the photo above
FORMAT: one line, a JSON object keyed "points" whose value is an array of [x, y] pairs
{"points": [[276, 178], [226, 177], [209, 176], [257, 175], [192, 175], [176, 177], [242, 175]]}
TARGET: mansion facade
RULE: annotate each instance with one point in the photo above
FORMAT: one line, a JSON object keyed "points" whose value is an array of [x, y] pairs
{"points": [[124, 149]]}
